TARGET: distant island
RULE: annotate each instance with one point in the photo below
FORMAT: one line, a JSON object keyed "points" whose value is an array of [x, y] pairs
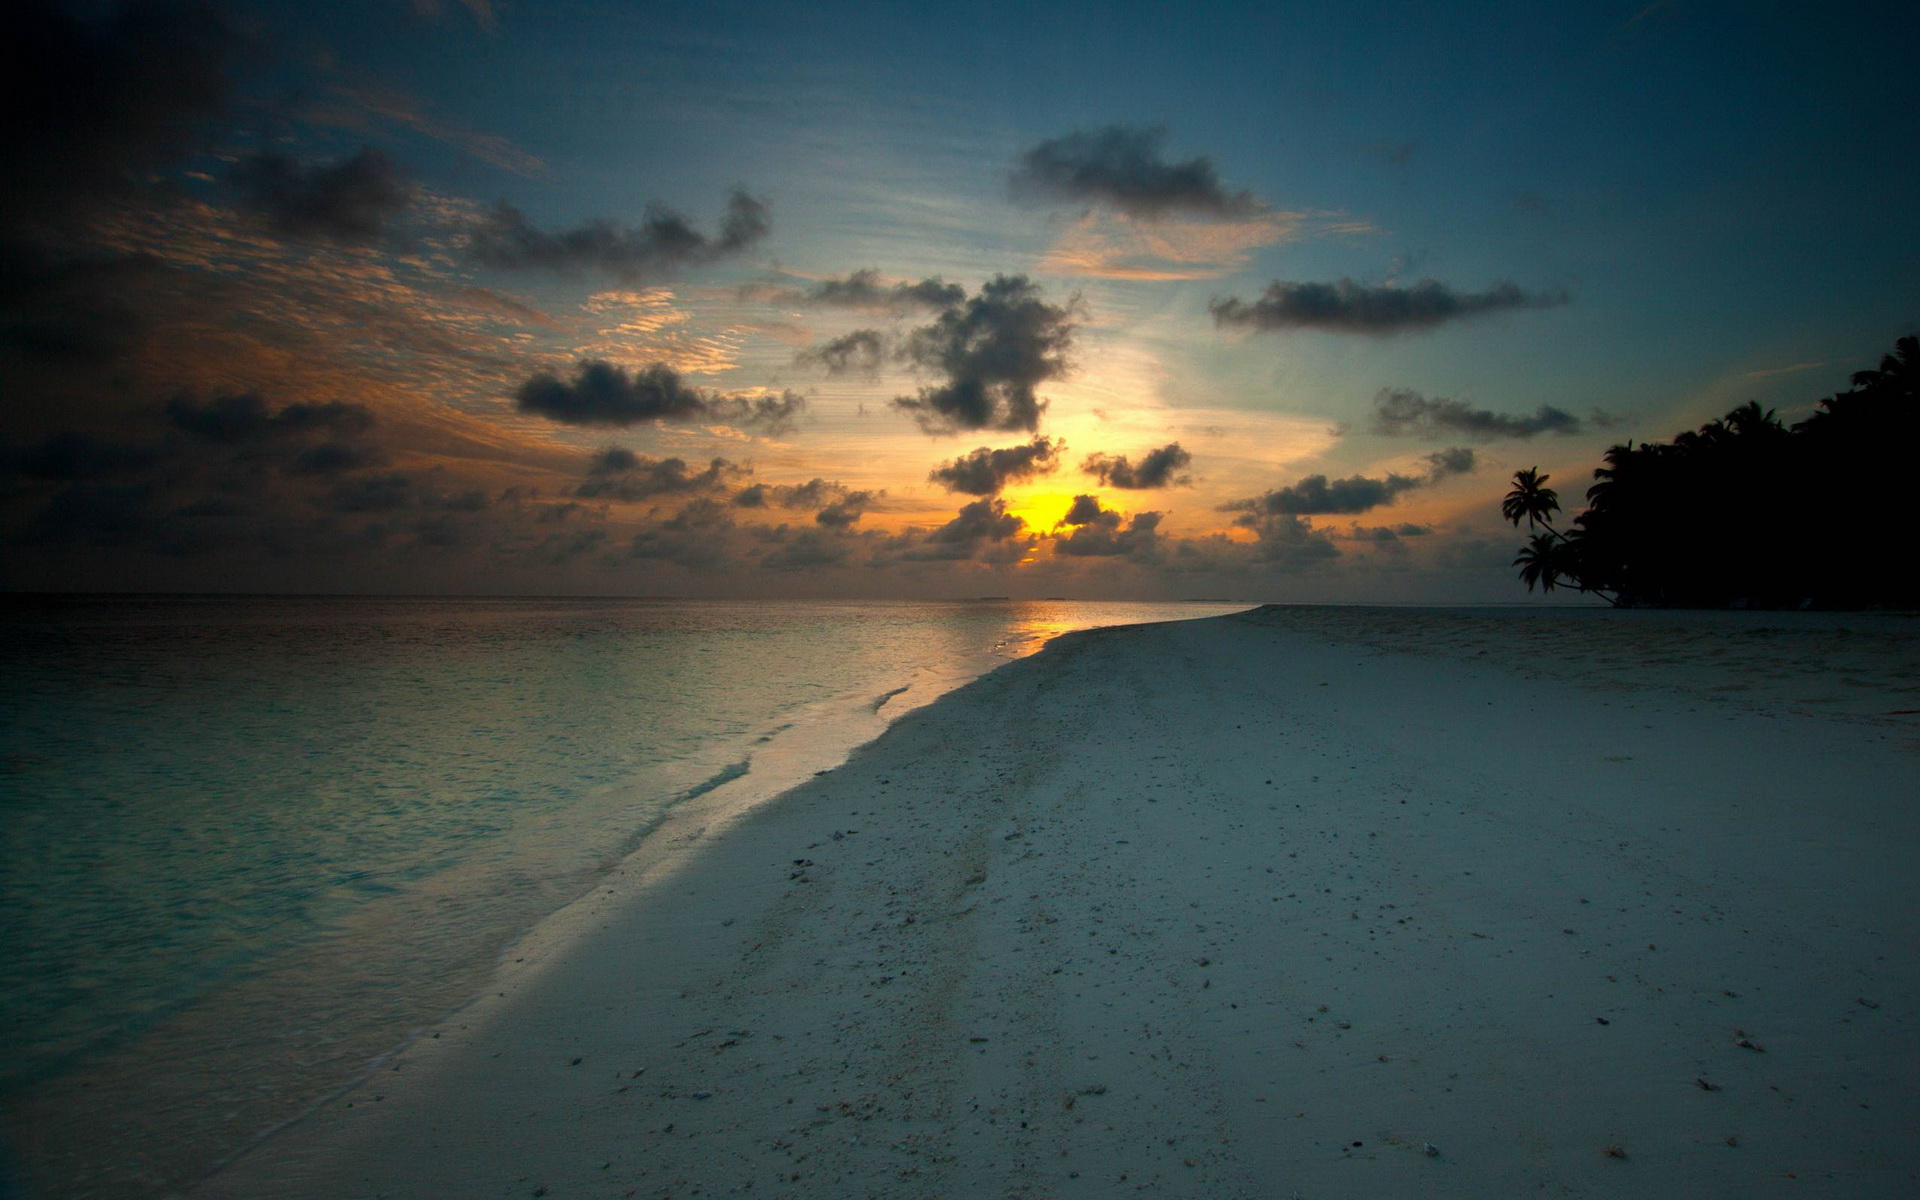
{"points": [[1745, 511]]}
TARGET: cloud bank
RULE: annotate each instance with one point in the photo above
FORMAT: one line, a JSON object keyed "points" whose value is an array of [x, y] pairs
{"points": [[662, 245], [600, 393], [864, 292], [1121, 167], [1316, 495], [1399, 412], [1383, 310], [619, 474]]}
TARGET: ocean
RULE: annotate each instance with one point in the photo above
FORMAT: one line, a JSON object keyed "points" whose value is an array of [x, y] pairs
{"points": [[248, 845]]}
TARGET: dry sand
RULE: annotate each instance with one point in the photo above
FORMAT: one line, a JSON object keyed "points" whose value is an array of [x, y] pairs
{"points": [[1591, 903]]}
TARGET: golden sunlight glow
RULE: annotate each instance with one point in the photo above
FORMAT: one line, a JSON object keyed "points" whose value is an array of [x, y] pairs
{"points": [[1041, 509]]}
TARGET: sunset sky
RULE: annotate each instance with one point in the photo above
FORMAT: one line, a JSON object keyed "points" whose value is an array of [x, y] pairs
{"points": [[1262, 302]]}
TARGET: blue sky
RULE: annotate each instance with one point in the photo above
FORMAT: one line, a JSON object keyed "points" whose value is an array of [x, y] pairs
{"points": [[1689, 206]]}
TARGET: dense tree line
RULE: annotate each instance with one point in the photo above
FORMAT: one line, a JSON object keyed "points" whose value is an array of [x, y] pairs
{"points": [[1747, 511]]}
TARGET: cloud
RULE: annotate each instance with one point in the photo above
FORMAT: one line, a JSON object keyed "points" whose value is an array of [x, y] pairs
{"points": [[1386, 309], [348, 200], [981, 526], [994, 351], [662, 245], [1113, 245], [845, 511], [1398, 412], [860, 352], [76, 455], [601, 393], [985, 471], [1287, 540], [1316, 495], [862, 290], [699, 535], [1156, 470], [1121, 167], [838, 505], [807, 549], [619, 474], [1098, 532], [246, 418]]}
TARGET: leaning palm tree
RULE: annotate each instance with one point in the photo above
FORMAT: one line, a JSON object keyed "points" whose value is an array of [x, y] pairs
{"points": [[1532, 499], [1540, 562]]}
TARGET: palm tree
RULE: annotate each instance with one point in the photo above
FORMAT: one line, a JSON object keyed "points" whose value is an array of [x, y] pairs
{"points": [[1899, 372], [1539, 562], [1531, 498], [1551, 556]]}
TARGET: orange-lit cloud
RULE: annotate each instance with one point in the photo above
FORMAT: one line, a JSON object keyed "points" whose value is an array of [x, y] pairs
{"points": [[1113, 245]]}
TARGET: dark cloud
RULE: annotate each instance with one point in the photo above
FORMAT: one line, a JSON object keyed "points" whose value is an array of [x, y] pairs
{"points": [[1098, 532], [660, 246], [845, 511], [246, 418], [863, 290], [1390, 539], [1316, 495], [68, 307], [1400, 411], [1349, 307], [981, 526], [1454, 460], [619, 474], [838, 505], [349, 200], [75, 456], [99, 93], [994, 351], [1156, 470], [860, 352], [1122, 167], [800, 550], [699, 535], [1086, 510], [98, 514], [601, 393], [1288, 540], [372, 494], [266, 491], [985, 471], [335, 458]]}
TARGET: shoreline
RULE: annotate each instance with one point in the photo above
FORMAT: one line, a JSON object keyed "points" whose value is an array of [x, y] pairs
{"points": [[185, 1096], [1069, 931], [991, 818]]}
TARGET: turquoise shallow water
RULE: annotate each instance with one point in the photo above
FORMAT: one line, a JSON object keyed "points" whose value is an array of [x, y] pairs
{"points": [[207, 806]]}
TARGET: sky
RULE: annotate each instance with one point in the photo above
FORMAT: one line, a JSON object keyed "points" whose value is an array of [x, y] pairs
{"points": [[1261, 302]]}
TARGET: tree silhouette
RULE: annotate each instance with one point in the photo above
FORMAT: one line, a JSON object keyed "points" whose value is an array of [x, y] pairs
{"points": [[1539, 562], [1532, 499], [1744, 510]]}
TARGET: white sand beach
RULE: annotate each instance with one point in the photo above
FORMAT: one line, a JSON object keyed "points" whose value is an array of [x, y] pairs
{"points": [[1301, 902]]}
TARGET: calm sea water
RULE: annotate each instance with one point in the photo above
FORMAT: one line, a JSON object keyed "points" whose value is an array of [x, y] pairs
{"points": [[279, 832]]}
